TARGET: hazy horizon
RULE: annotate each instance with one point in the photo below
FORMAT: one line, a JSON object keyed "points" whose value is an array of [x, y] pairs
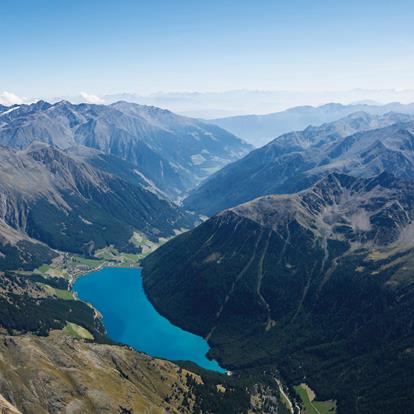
{"points": [[95, 49], [211, 105]]}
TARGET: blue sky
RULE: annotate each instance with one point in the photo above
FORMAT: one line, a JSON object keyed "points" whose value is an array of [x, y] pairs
{"points": [[57, 47]]}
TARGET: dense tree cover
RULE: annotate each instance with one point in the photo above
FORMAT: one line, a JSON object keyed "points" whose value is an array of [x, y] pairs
{"points": [[22, 310], [24, 255], [56, 282], [349, 335]]}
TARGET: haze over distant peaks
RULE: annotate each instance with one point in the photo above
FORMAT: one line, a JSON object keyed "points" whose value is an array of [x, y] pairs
{"points": [[218, 104], [359, 144], [174, 152], [260, 129]]}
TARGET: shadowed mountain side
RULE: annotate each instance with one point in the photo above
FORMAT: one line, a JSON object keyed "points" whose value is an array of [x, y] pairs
{"points": [[318, 284], [69, 205]]}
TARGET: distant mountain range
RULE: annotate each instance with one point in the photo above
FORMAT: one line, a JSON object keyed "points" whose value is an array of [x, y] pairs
{"points": [[51, 200], [317, 284], [260, 129], [359, 144], [173, 152], [219, 104]]}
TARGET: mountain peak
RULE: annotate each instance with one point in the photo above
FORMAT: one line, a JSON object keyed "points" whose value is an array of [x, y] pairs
{"points": [[173, 152], [40, 105], [64, 102]]}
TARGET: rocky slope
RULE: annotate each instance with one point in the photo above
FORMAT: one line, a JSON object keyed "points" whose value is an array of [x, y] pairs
{"points": [[173, 152], [67, 204], [60, 374], [261, 129], [7, 408], [317, 283], [360, 145]]}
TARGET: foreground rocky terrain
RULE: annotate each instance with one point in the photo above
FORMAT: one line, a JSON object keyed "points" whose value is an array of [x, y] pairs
{"points": [[56, 358], [61, 374]]}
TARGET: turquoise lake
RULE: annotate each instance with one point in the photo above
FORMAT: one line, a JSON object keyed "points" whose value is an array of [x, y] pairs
{"points": [[130, 318]]}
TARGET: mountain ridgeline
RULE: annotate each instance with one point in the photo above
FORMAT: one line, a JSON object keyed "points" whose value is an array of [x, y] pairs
{"points": [[360, 144], [318, 284], [49, 198], [173, 152], [77, 178], [261, 129]]}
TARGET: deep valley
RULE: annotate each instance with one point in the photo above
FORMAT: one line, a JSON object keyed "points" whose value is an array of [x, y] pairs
{"points": [[300, 280]]}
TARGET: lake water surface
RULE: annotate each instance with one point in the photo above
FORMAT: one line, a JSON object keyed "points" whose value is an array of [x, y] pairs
{"points": [[130, 318]]}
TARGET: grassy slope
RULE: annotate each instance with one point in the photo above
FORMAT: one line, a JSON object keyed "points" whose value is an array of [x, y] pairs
{"points": [[312, 406], [77, 331]]}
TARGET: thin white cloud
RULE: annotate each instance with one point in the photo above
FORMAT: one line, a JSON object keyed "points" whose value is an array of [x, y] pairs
{"points": [[92, 99], [10, 98]]}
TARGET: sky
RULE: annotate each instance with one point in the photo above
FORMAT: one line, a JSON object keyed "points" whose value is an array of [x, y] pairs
{"points": [[58, 48]]}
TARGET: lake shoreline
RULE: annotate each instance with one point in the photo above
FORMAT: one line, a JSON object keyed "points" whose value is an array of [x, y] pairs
{"points": [[130, 318]]}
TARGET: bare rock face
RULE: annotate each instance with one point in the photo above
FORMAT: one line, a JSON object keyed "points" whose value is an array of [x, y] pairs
{"points": [[7, 408], [60, 374]]}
